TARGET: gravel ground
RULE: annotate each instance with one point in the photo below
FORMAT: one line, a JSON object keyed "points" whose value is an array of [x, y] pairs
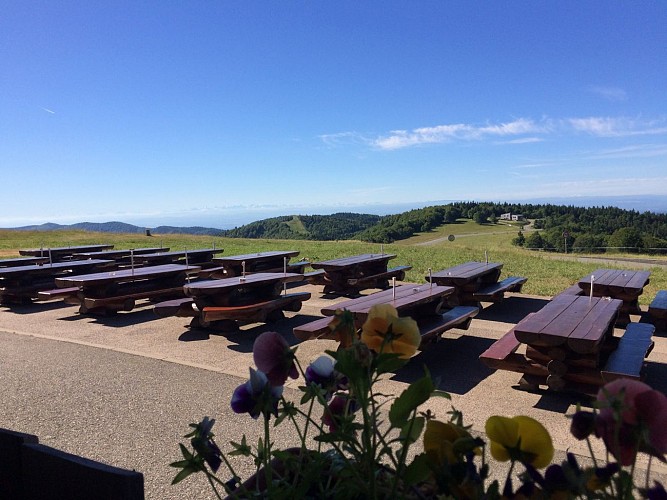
{"points": [[123, 389]]}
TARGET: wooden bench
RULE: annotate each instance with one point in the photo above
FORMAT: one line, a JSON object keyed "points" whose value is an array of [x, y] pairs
{"points": [[633, 347], [430, 327], [573, 290], [495, 292], [457, 317], [271, 310], [657, 310], [395, 272], [315, 277], [57, 293], [182, 307], [502, 353], [318, 329], [121, 302]]}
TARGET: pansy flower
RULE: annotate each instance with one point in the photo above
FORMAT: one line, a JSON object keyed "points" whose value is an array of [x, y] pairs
{"points": [[384, 331], [273, 356], [322, 372], [343, 327], [339, 407], [440, 440], [256, 396], [520, 438], [632, 417]]}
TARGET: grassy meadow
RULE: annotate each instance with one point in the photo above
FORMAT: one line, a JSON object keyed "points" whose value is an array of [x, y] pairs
{"points": [[547, 273]]}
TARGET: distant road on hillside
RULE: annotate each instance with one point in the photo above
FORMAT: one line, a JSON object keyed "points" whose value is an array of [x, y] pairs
{"points": [[444, 239]]}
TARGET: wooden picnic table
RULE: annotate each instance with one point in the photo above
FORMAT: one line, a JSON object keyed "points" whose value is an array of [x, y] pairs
{"points": [[424, 303], [195, 256], [568, 343], [468, 278], [58, 254], [617, 284], [226, 303], [271, 261], [109, 292], [22, 284], [349, 275], [22, 261], [118, 255]]}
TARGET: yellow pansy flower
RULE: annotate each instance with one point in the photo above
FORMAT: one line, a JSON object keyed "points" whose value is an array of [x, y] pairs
{"points": [[342, 325], [520, 438], [439, 439], [385, 331]]}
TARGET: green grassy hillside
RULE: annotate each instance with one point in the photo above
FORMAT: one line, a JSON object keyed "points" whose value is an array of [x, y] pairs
{"points": [[547, 273]]}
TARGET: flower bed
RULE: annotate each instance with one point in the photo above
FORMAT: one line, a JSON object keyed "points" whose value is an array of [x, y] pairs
{"points": [[363, 440]]}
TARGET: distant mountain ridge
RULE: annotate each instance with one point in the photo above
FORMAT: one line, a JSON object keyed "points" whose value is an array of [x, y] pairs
{"points": [[122, 227]]}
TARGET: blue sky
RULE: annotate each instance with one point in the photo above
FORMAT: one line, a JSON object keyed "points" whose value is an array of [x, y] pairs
{"points": [[147, 111]]}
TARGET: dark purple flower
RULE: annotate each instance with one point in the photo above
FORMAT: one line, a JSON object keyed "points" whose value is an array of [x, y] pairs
{"points": [[583, 424], [202, 442], [340, 406], [657, 492], [256, 396], [273, 356]]}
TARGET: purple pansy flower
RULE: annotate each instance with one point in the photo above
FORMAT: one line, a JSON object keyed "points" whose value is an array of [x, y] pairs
{"points": [[256, 396], [273, 356], [340, 406]]}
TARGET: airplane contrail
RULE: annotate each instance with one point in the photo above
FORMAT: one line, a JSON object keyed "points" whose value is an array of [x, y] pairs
{"points": [[49, 111]]}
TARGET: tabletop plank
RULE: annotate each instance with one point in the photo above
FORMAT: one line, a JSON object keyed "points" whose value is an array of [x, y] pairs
{"points": [[352, 261], [406, 295], [7, 272], [467, 270], [139, 273], [579, 321], [62, 251], [217, 286], [259, 256]]}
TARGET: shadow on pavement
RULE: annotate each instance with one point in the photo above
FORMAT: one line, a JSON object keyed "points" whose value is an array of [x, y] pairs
{"points": [[453, 362], [512, 309], [35, 307]]}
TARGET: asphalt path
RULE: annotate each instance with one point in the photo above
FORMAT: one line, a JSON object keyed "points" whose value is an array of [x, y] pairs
{"points": [[123, 389]]}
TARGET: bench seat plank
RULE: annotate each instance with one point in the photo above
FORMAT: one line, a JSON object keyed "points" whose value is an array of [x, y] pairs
{"points": [[627, 360], [657, 311], [57, 293], [496, 291], [395, 272], [257, 312], [431, 327], [317, 329], [177, 307]]}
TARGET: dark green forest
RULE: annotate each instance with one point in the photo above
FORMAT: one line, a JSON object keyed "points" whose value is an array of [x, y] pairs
{"points": [[558, 227]]}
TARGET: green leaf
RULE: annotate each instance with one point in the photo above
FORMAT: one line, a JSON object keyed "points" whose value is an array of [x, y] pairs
{"points": [[389, 362], [182, 475], [418, 471], [416, 394], [441, 394], [413, 429]]}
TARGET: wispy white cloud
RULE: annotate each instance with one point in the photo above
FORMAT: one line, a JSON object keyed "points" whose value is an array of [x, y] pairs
{"points": [[342, 138], [635, 151], [614, 94], [399, 139], [617, 126], [523, 140], [518, 131]]}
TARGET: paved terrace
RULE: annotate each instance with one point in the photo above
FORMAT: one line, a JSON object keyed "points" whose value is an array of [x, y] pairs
{"points": [[123, 389]]}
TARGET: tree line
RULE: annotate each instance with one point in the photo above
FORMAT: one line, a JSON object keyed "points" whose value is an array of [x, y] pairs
{"points": [[557, 227]]}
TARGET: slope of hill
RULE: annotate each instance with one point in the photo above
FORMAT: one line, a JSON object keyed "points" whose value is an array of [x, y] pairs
{"points": [[121, 227], [339, 226]]}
